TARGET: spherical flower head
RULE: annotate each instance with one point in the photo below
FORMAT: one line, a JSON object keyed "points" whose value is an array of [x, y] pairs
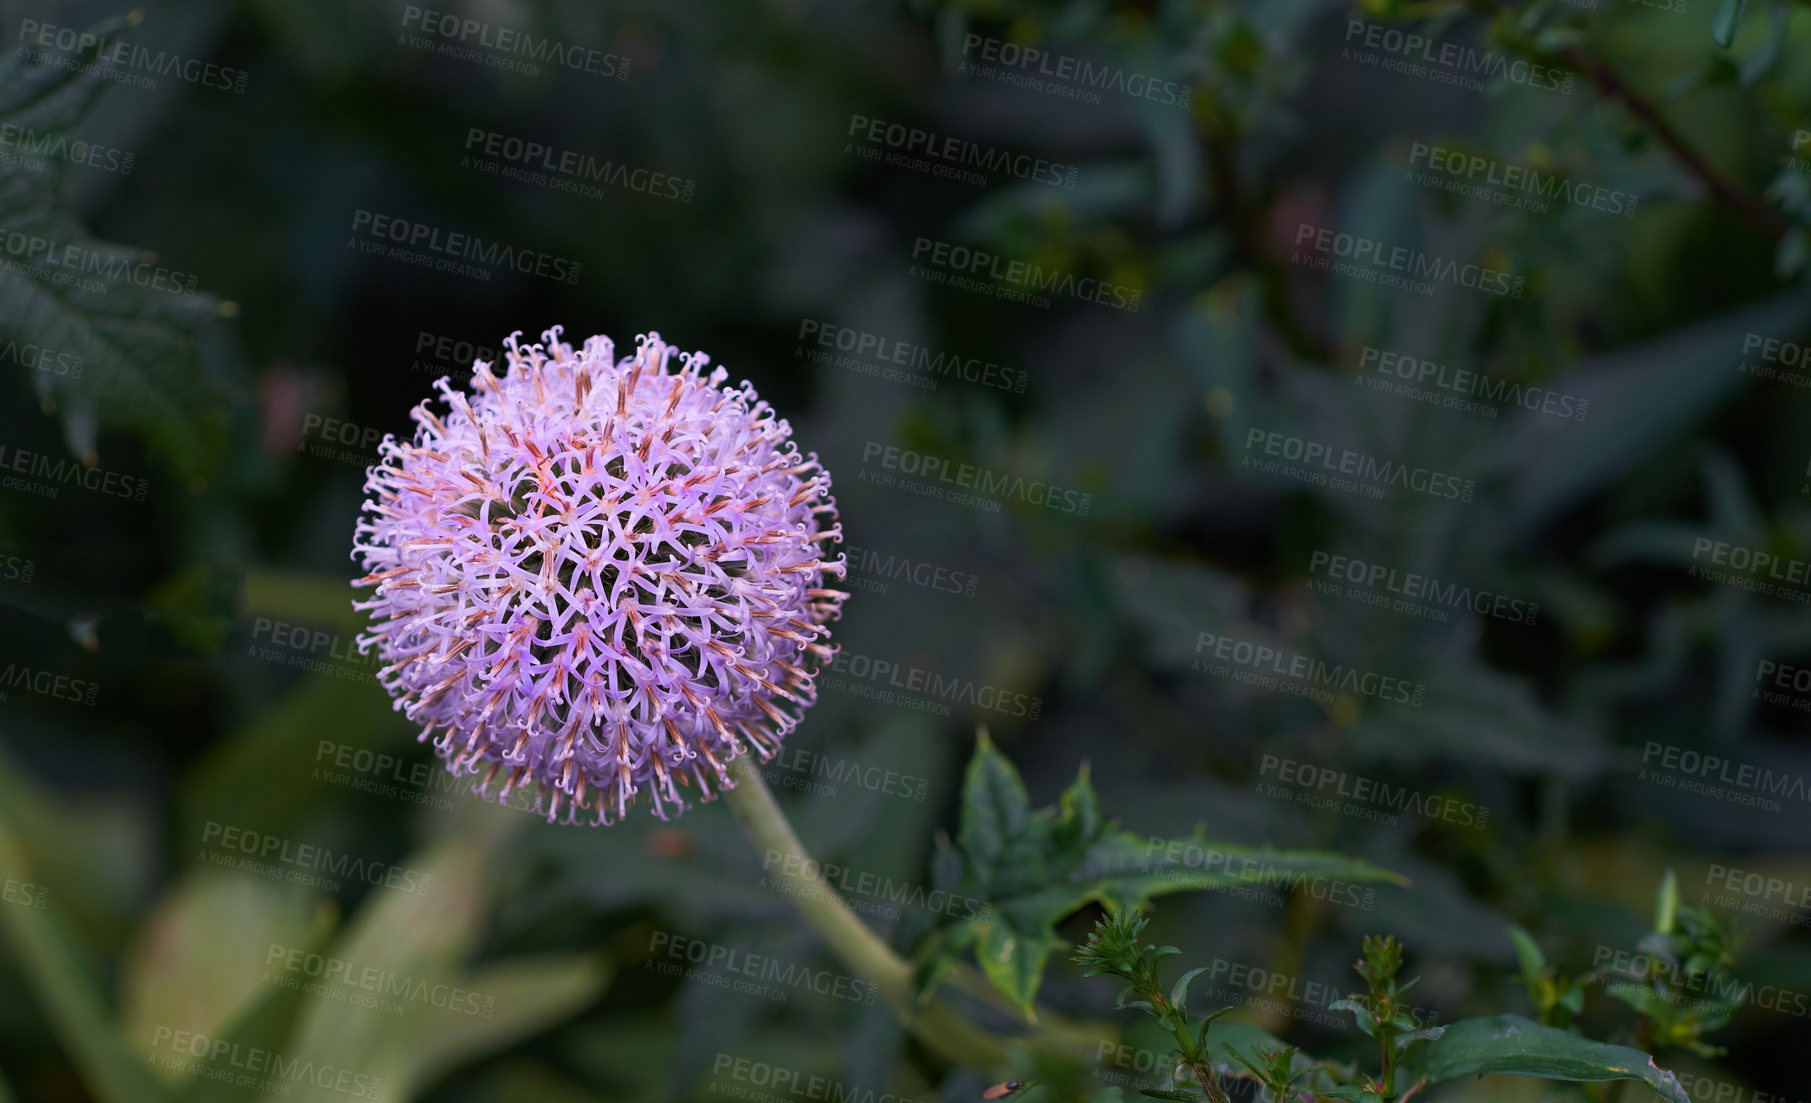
{"points": [[599, 580]]}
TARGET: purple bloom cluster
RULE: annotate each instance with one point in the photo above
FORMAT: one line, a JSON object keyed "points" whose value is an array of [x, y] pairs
{"points": [[599, 580]]}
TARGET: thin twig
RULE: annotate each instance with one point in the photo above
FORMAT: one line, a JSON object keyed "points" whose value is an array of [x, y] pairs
{"points": [[1730, 191]]}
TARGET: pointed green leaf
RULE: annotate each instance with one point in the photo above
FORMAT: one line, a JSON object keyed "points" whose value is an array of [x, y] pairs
{"points": [[1522, 1047], [1032, 870], [1014, 961], [1528, 952], [1249, 1038], [1079, 820], [930, 966], [994, 804], [1179, 990], [1723, 27], [1666, 903], [1367, 1022], [1409, 1037]]}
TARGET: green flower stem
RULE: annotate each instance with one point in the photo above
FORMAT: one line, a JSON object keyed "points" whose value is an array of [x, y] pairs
{"points": [[936, 1024], [1197, 1060]]}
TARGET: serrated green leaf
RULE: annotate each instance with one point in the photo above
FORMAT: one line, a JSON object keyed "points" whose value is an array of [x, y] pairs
{"points": [[1124, 870], [928, 971], [946, 864], [136, 325], [51, 99], [1512, 1045], [1031, 870], [994, 805], [1014, 960], [1080, 818]]}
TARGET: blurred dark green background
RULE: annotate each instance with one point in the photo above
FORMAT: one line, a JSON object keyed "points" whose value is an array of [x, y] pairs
{"points": [[176, 622]]}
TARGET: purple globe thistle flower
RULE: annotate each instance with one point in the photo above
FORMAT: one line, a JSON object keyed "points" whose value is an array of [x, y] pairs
{"points": [[599, 580]]}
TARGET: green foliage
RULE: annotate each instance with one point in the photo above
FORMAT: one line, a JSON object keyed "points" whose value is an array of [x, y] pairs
{"points": [[1516, 1046], [212, 977], [1688, 990], [1380, 1012], [1532, 722], [1484, 1045], [1275, 1069], [1556, 999], [64, 977], [141, 330], [1115, 947], [1025, 870]]}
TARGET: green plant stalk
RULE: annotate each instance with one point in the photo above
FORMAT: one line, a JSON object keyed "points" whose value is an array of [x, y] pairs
{"points": [[935, 1024], [1388, 1079], [1198, 1062], [1386, 1036]]}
